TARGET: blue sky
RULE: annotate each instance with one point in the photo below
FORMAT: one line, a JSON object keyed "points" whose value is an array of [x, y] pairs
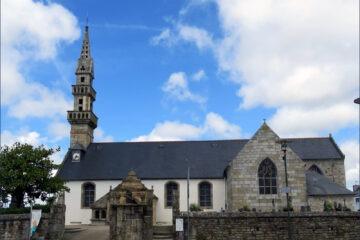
{"points": [[177, 70]]}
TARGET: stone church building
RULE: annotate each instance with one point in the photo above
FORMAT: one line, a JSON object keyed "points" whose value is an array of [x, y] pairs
{"points": [[225, 175]]}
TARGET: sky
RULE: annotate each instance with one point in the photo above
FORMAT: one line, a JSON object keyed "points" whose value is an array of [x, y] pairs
{"points": [[184, 70]]}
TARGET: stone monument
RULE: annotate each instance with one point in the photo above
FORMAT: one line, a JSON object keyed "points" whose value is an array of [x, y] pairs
{"points": [[131, 210]]}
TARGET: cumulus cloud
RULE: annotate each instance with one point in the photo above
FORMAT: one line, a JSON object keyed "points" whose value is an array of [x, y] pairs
{"points": [[200, 37], [101, 136], [217, 126], [351, 150], [31, 137], [165, 37], [32, 31], [171, 131], [59, 130], [184, 33], [176, 87], [199, 75], [299, 57], [214, 126]]}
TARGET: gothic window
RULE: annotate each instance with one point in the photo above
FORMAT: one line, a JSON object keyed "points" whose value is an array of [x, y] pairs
{"points": [[82, 68], [315, 168], [170, 188], [267, 177], [88, 194], [205, 194], [82, 79], [80, 109]]}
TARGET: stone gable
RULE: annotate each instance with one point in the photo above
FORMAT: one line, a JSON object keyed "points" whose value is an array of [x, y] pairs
{"points": [[242, 180]]}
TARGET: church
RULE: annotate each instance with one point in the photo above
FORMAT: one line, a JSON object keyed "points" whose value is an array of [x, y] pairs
{"points": [[262, 173]]}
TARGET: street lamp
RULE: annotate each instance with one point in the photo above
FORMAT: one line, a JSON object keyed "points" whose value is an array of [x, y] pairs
{"points": [[287, 189]]}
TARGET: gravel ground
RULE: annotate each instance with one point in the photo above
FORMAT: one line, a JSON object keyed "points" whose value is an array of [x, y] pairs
{"points": [[86, 232]]}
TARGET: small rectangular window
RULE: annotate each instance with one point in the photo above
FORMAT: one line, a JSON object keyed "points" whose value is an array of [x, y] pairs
{"points": [[80, 101], [82, 79], [80, 108]]}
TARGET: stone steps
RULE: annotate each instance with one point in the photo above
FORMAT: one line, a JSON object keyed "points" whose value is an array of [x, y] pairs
{"points": [[163, 232]]}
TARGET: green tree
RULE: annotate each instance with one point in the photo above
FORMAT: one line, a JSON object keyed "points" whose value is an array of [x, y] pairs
{"points": [[26, 170]]}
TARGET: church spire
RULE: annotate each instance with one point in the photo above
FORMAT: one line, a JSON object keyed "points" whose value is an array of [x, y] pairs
{"points": [[85, 61], [85, 50], [82, 118]]}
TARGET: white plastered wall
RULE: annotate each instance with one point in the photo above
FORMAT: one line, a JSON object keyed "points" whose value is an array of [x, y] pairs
{"points": [[75, 214]]}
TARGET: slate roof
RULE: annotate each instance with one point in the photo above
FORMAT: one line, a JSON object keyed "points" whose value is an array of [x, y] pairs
{"points": [[167, 160], [315, 148], [319, 185]]}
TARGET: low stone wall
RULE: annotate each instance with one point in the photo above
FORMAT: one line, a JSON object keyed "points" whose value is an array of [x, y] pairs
{"points": [[268, 226], [17, 226]]}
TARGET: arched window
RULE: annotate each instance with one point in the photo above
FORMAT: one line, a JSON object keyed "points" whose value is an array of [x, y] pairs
{"points": [[205, 194], [267, 177], [170, 187], [88, 194], [315, 168]]}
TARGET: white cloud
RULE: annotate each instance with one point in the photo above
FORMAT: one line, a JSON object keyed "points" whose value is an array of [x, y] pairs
{"points": [[214, 126], [59, 130], [199, 75], [165, 37], [32, 31], [100, 136], [299, 57], [171, 131], [176, 87], [201, 38], [351, 150], [217, 126], [184, 33], [312, 121], [32, 137]]}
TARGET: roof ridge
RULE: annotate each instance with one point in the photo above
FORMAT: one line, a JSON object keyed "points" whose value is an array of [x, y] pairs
{"points": [[207, 140], [177, 141], [306, 138]]}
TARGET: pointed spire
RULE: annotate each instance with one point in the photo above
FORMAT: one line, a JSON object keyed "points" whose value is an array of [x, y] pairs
{"points": [[85, 62], [85, 50]]}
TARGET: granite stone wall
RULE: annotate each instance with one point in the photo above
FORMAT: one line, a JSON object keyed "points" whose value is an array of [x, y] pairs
{"points": [[332, 168], [242, 175], [17, 226], [269, 226]]}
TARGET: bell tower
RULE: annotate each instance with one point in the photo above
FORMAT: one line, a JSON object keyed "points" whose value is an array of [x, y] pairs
{"points": [[82, 118]]}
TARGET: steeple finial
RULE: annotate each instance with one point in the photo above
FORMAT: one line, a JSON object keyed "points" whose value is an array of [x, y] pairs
{"points": [[87, 22]]}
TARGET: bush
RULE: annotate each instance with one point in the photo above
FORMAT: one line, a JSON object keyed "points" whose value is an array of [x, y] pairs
{"points": [[195, 208], [328, 206], [245, 208], [44, 209]]}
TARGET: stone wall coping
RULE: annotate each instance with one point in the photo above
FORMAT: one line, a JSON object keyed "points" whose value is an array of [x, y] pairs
{"points": [[268, 214], [21, 216]]}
